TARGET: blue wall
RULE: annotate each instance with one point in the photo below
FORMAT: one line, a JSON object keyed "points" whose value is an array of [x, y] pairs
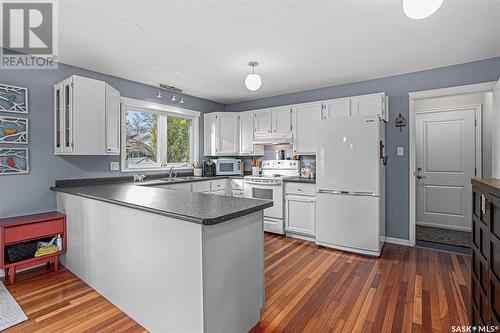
{"points": [[26, 194], [397, 88]]}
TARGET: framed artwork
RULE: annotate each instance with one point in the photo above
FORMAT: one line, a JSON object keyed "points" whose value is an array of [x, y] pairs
{"points": [[13, 130], [14, 161], [13, 99]]}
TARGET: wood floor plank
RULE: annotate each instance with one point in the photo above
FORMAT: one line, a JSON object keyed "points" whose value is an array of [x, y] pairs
{"points": [[308, 288]]}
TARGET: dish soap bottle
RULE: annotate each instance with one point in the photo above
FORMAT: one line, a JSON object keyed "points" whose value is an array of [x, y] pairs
{"points": [[59, 242]]}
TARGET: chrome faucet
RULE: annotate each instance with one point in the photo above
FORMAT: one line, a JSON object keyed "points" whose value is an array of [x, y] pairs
{"points": [[170, 173], [138, 178]]}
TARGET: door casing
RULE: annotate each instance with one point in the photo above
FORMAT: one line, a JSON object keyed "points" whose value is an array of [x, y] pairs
{"points": [[413, 96]]}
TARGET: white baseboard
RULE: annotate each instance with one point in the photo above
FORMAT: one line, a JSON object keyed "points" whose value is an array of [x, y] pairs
{"points": [[444, 226], [302, 237], [398, 241]]}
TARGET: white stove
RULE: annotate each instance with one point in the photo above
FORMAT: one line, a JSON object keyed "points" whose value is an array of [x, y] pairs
{"points": [[269, 186]]}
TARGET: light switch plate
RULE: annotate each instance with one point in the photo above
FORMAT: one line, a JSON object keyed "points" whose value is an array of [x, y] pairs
{"points": [[401, 151], [114, 166]]}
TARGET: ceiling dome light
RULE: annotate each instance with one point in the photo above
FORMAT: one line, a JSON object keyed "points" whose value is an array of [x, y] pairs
{"points": [[253, 81], [419, 9]]}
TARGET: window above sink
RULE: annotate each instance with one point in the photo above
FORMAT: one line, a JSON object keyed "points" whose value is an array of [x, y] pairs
{"points": [[157, 137]]}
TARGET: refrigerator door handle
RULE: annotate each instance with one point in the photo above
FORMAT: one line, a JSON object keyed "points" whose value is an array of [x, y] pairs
{"points": [[363, 194], [329, 192], [359, 194]]}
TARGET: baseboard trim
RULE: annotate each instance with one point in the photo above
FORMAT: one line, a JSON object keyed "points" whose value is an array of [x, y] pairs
{"points": [[301, 237], [444, 226], [398, 241]]}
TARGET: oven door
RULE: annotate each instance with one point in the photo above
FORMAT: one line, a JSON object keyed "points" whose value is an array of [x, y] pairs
{"points": [[272, 192]]}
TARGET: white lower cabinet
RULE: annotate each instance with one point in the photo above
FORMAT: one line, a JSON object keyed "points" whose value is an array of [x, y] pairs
{"points": [[181, 187], [218, 186], [238, 193], [300, 209], [229, 187], [201, 187], [219, 192]]}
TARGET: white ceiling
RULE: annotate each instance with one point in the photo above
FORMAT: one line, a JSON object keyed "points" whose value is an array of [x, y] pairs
{"points": [[203, 46]]}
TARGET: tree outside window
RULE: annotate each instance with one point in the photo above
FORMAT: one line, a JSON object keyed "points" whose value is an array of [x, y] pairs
{"points": [[154, 140]]}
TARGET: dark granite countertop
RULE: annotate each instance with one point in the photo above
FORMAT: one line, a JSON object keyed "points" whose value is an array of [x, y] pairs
{"points": [[491, 182], [199, 208], [149, 180], [300, 180]]}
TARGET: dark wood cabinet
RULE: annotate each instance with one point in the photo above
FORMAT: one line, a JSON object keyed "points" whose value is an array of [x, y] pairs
{"points": [[485, 275]]}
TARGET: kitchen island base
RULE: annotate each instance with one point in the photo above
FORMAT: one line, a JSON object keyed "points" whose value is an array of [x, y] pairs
{"points": [[168, 274]]}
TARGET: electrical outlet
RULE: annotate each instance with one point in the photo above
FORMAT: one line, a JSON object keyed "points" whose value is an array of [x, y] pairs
{"points": [[114, 166], [401, 151]]}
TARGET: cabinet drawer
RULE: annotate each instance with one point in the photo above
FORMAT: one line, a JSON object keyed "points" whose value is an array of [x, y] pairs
{"points": [[33, 230], [220, 192], [300, 189], [238, 193], [237, 184], [217, 185]]}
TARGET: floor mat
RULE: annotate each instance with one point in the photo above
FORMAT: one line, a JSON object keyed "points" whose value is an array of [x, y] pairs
{"points": [[10, 312], [444, 236]]}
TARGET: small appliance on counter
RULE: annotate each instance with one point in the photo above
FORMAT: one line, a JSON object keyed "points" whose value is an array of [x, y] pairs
{"points": [[209, 169], [227, 166]]}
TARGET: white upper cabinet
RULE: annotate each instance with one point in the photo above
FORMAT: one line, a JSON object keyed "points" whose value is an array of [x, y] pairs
{"points": [[282, 121], [210, 134], [86, 117], [246, 132], [247, 148], [368, 105], [228, 124], [112, 120], [305, 120], [263, 122], [230, 134], [336, 108]]}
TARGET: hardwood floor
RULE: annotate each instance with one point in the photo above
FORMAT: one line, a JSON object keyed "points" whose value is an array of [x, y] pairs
{"points": [[315, 289], [61, 302], [308, 288]]}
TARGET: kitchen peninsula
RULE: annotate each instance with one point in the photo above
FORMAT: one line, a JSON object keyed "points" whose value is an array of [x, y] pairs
{"points": [[174, 261]]}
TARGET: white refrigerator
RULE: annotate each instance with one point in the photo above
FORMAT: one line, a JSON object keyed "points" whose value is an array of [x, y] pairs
{"points": [[350, 203]]}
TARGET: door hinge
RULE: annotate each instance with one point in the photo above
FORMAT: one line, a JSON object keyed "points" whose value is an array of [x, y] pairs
{"points": [[475, 122], [475, 171]]}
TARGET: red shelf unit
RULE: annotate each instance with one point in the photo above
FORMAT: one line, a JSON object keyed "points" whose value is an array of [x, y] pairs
{"points": [[26, 228]]}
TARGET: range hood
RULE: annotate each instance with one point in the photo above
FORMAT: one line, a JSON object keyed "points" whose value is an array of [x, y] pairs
{"points": [[273, 139]]}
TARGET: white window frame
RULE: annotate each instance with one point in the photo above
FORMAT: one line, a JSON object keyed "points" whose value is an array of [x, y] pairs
{"points": [[160, 110]]}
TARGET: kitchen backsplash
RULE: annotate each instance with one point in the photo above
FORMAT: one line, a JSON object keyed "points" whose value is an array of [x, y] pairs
{"points": [[270, 154]]}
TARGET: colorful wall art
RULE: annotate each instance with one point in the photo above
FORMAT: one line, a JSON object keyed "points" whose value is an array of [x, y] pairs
{"points": [[13, 130], [14, 161], [13, 99]]}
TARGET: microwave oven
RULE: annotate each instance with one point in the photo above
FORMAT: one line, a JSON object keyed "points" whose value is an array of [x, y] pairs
{"points": [[227, 166]]}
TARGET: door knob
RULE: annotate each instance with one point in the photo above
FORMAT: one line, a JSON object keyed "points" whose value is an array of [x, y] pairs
{"points": [[420, 177]]}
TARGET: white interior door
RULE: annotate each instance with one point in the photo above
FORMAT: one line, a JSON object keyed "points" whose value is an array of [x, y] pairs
{"points": [[446, 162]]}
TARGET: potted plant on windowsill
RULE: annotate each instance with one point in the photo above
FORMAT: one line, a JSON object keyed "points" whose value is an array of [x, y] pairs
{"points": [[197, 169]]}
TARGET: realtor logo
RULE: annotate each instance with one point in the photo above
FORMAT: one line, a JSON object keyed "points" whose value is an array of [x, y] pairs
{"points": [[28, 34]]}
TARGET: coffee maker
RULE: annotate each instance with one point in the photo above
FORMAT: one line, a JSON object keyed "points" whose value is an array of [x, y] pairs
{"points": [[208, 168]]}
